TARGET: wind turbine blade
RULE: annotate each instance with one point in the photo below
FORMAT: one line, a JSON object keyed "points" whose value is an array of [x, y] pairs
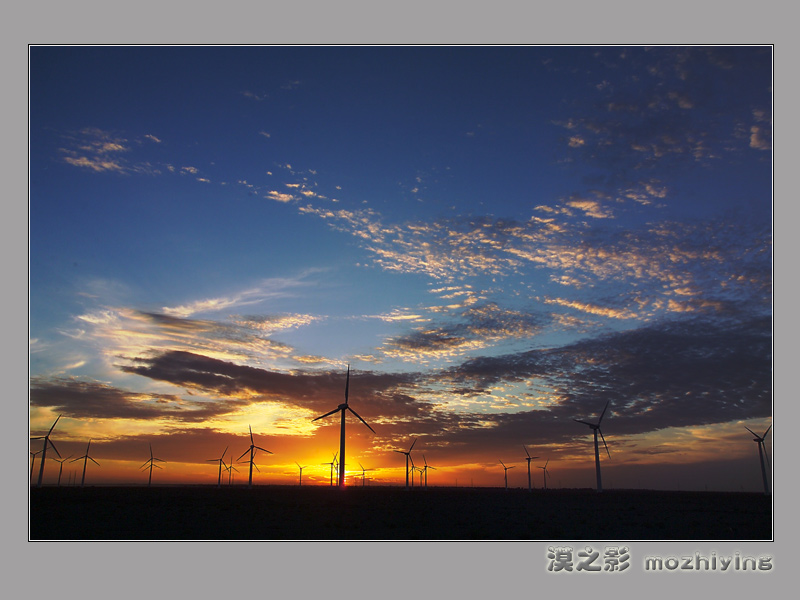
{"points": [[751, 431], [54, 426], [766, 432], [347, 385], [251, 434], [263, 449], [335, 410], [94, 461], [399, 451], [604, 442], [360, 419], [602, 413], [412, 445], [243, 453], [526, 451], [584, 422], [53, 446]]}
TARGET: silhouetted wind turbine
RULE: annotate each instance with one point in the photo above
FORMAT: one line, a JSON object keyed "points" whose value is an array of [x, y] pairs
{"points": [[408, 456], [47, 441], [221, 464], [343, 408], [230, 469], [545, 473], [596, 428], [418, 470], [151, 463], [505, 472], [252, 450], [529, 459], [762, 454], [86, 458], [301, 473], [363, 474], [427, 466], [33, 461], [61, 461], [332, 464]]}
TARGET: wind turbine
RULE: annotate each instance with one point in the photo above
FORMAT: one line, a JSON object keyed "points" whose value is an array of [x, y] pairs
{"points": [[61, 468], [505, 472], [529, 459], [545, 473], [762, 454], [343, 408], [596, 428], [427, 466], [252, 450], [363, 474], [221, 464], [408, 456], [230, 469], [332, 464], [87, 458], [301, 474], [33, 461], [47, 441], [151, 462], [418, 470]]}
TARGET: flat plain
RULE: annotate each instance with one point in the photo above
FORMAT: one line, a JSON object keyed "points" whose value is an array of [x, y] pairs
{"points": [[316, 513]]}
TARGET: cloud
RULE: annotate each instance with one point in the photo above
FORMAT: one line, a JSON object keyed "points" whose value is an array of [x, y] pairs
{"points": [[99, 151], [380, 395], [670, 374], [82, 399], [473, 328]]}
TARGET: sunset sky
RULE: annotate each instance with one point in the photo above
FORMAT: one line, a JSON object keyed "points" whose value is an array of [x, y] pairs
{"points": [[496, 240]]}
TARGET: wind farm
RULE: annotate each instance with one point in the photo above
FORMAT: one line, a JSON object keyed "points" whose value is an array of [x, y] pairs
{"points": [[300, 510], [549, 239]]}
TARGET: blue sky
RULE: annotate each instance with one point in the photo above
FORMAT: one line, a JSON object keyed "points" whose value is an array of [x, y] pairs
{"points": [[496, 239]]}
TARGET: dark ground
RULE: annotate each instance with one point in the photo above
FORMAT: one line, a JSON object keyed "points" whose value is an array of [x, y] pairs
{"points": [[392, 513]]}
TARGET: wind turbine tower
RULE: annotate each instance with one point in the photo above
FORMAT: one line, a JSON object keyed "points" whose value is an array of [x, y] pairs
{"points": [[529, 459], [148, 464], [47, 442], [596, 428], [87, 458], [221, 460], [545, 473], [427, 466], [343, 408], [762, 454], [505, 472], [33, 461], [252, 450], [332, 464], [61, 462], [408, 456]]}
